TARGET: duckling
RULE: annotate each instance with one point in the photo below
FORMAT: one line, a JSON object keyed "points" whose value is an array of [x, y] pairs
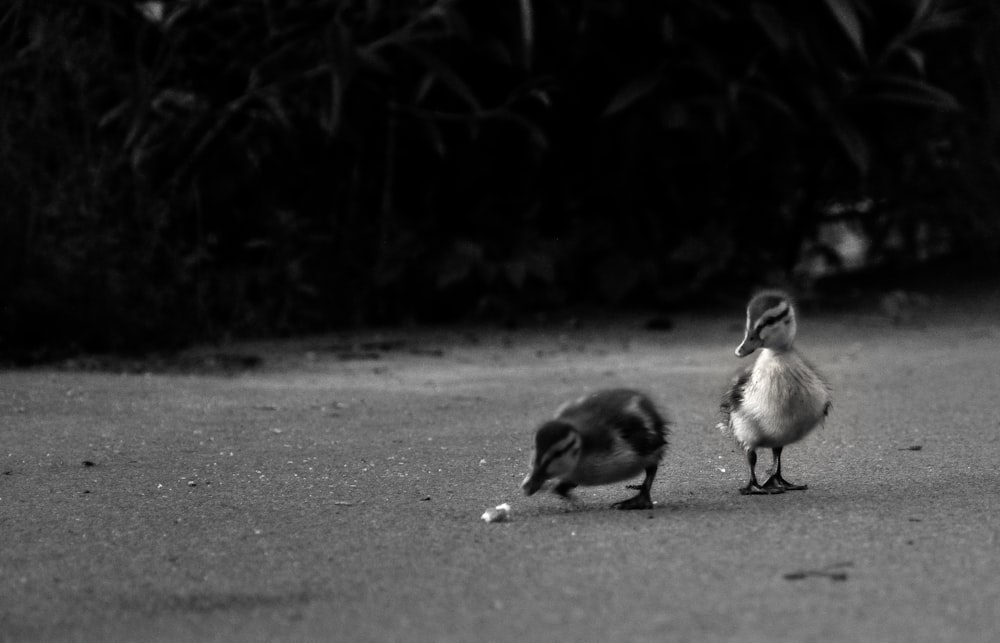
{"points": [[605, 437], [777, 400]]}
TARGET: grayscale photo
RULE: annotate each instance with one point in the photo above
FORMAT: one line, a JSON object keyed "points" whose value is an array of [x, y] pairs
{"points": [[500, 321]]}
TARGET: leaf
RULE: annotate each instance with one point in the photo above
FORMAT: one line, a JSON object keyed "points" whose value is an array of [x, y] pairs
{"points": [[915, 93], [113, 114], [917, 58], [541, 96], [434, 136], [446, 75], [373, 60], [847, 16], [527, 33], [151, 11], [535, 133], [939, 21], [453, 19], [424, 88], [925, 20], [772, 24], [919, 100], [854, 144], [631, 93], [774, 101], [920, 9]]}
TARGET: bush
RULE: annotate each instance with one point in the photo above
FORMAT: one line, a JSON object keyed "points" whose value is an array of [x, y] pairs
{"points": [[188, 170]]}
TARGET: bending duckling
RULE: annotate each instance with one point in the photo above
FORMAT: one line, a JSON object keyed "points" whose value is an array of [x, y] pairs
{"points": [[605, 437], [778, 399]]}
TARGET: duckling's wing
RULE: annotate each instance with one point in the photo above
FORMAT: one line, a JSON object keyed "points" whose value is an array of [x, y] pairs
{"points": [[819, 376], [646, 428], [732, 398]]}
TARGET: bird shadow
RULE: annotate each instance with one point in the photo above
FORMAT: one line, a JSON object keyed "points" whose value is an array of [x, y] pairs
{"points": [[834, 571]]}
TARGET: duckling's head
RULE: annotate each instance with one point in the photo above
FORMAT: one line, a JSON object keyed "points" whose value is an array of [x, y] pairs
{"points": [[557, 452], [770, 323]]}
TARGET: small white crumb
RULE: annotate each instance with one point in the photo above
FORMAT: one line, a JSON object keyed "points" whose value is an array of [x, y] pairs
{"points": [[483, 461], [500, 513]]}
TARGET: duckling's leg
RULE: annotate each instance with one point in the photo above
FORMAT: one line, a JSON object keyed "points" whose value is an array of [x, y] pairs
{"points": [[752, 486], [775, 481], [563, 488], [641, 500]]}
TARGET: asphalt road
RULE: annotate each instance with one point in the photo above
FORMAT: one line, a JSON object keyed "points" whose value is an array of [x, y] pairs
{"points": [[335, 493]]}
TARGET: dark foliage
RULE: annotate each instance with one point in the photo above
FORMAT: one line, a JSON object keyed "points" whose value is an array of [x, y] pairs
{"points": [[185, 170]]}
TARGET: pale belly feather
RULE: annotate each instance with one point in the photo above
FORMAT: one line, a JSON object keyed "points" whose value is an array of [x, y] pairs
{"points": [[783, 401]]}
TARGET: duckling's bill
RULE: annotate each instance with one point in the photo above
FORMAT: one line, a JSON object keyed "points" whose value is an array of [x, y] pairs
{"points": [[748, 346]]}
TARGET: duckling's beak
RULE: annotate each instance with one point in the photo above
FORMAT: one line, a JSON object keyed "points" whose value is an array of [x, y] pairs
{"points": [[532, 483], [748, 346]]}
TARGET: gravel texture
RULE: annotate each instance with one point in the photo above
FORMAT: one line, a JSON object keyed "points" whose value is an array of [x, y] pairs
{"points": [[335, 492]]}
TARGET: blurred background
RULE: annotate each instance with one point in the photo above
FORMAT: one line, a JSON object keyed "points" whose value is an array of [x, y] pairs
{"points": [[194, 170]]}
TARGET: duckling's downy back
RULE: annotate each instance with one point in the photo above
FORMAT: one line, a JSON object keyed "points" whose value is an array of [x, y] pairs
{"points": [[624, 414], [621, 432]]}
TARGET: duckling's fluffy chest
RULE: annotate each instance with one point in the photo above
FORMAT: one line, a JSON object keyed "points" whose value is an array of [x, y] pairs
{"points": [[782, 401]]}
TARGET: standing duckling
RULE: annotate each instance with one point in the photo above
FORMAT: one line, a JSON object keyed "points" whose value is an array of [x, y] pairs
{"points": [[779, 398], [601, 438]]}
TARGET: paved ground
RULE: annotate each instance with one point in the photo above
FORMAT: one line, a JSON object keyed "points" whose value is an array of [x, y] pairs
{"points": [[328, 495]]}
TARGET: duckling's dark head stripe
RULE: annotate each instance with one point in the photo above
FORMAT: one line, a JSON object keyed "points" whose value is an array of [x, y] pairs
{"points": [[556, 451], [773, 316], [763, 302], [554, 438]]}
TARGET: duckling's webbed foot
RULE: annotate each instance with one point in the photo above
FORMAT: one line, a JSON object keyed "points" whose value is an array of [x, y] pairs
{"points": [[641, 500], [775, 481], [779, 484], [638, 501], [752, 488]]}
